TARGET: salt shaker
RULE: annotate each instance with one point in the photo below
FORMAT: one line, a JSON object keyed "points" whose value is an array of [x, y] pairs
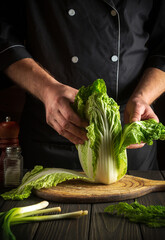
{"points": [[13, 166]]}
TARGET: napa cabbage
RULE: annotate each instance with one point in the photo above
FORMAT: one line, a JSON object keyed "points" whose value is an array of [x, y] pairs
{"points": [[103, 156]]}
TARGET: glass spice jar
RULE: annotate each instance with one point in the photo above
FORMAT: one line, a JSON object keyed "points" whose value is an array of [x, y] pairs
{"points": [[13, 166]]}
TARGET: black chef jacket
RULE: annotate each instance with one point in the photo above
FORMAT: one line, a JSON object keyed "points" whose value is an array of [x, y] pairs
{"points": [[77, 42]]}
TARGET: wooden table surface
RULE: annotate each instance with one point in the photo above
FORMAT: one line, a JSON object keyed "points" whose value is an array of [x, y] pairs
{"points": [[97, 225]]}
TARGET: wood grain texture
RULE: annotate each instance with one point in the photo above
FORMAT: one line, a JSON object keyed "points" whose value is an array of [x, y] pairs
{"points": [[120, 228], [114, 227], [155, 198], [75, 191], [66, 229], [97, 225]]}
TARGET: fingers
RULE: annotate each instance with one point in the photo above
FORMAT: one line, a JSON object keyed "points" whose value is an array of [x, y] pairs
{"points": [[67, 123], [137, 112], [69, 114], [60, 115], [142, 112], [137, 116], [135, 146], [72, 133], [153, 116], [71, 137]]}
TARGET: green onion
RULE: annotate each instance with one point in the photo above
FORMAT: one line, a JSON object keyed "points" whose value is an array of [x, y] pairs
{"points": [[26, 214]]}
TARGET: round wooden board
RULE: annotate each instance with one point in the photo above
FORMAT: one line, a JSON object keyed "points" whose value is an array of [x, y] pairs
{"points": [[76, 191]]}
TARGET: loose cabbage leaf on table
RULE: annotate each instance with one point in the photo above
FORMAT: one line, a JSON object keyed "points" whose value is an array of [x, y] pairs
{"points": [[39, 178]]}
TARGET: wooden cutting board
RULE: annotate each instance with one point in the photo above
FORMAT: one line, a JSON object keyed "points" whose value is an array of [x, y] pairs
{"points": [[75, 191]]}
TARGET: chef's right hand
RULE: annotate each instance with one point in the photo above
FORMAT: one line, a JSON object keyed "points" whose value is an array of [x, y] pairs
{"points": [[60, 115], [56, 97]]}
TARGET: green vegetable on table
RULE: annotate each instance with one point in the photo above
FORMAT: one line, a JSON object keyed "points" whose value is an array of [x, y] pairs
{"points": [[152, 216], [30, 214], [39, 178], [103, 156]]}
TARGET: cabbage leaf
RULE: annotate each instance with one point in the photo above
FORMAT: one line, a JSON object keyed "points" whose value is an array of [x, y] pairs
{"points": [[39, 178], [103, 156]]}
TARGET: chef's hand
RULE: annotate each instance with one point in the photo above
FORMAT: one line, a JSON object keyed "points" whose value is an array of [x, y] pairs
{"points": [[56, 97], [60, 115], [137, 109]]}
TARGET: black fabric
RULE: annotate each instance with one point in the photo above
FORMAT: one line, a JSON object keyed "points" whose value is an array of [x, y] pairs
{"points": [[143, 159], [45, 31], [49, 154], [52, 37]]}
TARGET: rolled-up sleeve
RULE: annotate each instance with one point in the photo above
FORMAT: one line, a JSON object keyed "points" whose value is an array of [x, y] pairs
{"points": [[156, 42], [12, 33]]}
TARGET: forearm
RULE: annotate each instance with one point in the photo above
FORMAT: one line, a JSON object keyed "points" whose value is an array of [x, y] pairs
{"points": [[55, 96], [30, 76], [151, 86]]}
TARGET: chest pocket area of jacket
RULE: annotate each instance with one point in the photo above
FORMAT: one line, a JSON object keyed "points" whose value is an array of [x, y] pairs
{"points": [[95, 13]]}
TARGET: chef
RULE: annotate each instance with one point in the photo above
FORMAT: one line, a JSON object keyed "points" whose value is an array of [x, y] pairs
{"points": [[52, 48]]}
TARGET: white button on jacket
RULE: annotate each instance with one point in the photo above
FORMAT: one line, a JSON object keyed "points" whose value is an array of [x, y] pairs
{"points": [[113, 13], [74, 59], [71, 12], [114, 58]]}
